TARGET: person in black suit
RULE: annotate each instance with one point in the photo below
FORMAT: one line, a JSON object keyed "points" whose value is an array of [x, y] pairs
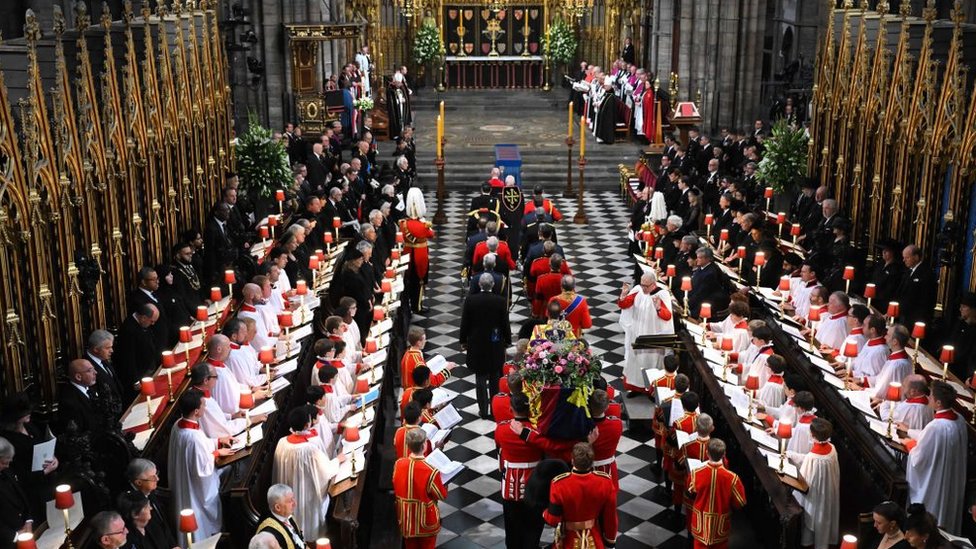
{"points": [[15, 514], [108, 531], [706, 283], [318, 171], [500, 285], [147, 294], [220, 250], [354, 284], [485, 334], [627, 54], [916, 293], [76, 402], [137, 513], [887, 273], [101, 345], [136, 351], [186, 277], [800, 208], [143, 478], [279, 523]]}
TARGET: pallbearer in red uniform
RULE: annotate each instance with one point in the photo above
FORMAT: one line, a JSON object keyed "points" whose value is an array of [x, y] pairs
{"points": [[517, 460], [416, 230], [583, 504], [500, 403], [716, 492], [609, 430], [417, 487], [685, 424]]}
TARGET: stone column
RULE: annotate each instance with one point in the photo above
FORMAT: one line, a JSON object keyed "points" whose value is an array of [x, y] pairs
{"points": [[276, 59], [728, 63]]}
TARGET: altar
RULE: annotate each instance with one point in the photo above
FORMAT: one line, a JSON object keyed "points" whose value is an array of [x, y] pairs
{"points": [[493, 49], [502, 71]]}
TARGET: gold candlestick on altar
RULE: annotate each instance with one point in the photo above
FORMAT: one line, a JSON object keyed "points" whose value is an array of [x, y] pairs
{"points": [[461, 32], [525, 33], [493, 29]]}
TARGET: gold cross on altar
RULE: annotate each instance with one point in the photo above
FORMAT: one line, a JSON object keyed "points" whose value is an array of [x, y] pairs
{"points": [[493, 29]]}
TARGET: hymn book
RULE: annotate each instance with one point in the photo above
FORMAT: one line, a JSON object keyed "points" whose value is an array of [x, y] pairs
{"points": [[652, 375], [448, 417], [444, 465], [442, 396], [43, 451], [437, 364], [435, 435]]}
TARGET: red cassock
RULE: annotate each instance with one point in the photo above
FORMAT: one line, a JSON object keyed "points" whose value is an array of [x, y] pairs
{"points": [[685, 423], [516, 460], [415, 235], [716, 492], [605, 446], [659, 423], [586, 505], [648, 107], [411, 359], [547, 287], [418, 487], [580, 316], [400, 443], [547, 207], [696, 449], [436, 380], [501, 408], [504, 254]]}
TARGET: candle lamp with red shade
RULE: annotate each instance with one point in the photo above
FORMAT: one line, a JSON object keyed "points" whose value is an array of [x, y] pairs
{"points": [[814, 318], [323, 543], [759, 261], [215, 297], [893, 396], [64, 500], [784, 432], [918, 334], [286, 321], [947, 356], [848, 277], [263, 232], [848, 542], [272, 223], [725, 345], [686, 287], [870, 290], [327, 239], [795, 232], [147, 388], [784, 293], [266, 356], [26, 540], [280, 197], [893, 310], [202, 315], [709, 221], [188, 525], [351, 434], [246, 403], [780, 221], [230, 278], [186, 337], [671, 271], [768, 195], [752, 385], [705, 312]]}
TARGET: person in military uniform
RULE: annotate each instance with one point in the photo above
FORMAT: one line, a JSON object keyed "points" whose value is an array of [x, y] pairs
{"points": [[280, 523], [583, 505], [887, 273], [416, 230], [417, 487], [483, 207], [716, 492], [517, 461]]}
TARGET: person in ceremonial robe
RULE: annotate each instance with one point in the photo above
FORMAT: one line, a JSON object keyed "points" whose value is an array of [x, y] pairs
{"points": [[411, 415], [226, 391], [697, 449], [855, 324], [398, 105], [821, 502], [833, 328], [914, 413], [799, 298], [267, 332], [326, 430], [605, 116], [422, 379], [772, 394], [214, 422], [663, 411], [937, 462], [736, 326], [280, 522], [762, 339], [508, 386], [193, 476], [301, 464], [716, 492], [896, 367], [414, 356], [416, 232], [583, 504], [801, 442], [574, 306], [336, 406], [645, 310], [417, 487], [672, 448], [609, 430], [517, 461], [242, 361], [792, 384], [872, 357]]}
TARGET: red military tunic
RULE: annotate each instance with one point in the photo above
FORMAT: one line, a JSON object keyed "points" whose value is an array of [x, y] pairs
{"points": [[547, 207], [611, 428], [411, 359], [436, 380], [501, 408], [580, 317], [400, 441], [418, 487], [503, 255], [539, 267], [547, 286], [586, 506], [716, 492], [696, 449], [415, 235], [659, 423], [516, 460], [685, 423]]}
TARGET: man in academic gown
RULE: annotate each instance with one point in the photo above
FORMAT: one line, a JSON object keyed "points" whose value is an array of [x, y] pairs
{"points": [[280, 522], [937, 463], [645, 310], [301, 464], [605, 120], [716, 493], [821, 502], [916, 292], [193, 476]]}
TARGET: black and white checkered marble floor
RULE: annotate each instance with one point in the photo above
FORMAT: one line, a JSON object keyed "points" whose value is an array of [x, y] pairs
{"points": [[472, 515]]}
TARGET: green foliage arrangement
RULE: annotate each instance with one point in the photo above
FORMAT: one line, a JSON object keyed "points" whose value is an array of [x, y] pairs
{"points": [[785, 160], [427, 45], [363, 104], [262, 161], [560, 42]]}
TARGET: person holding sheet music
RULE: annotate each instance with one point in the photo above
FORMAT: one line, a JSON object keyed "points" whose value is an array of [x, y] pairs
{"points": [[422, 379], [914, 413], [214, 422], [411, 420], [821, 502], [716, 492], [16, 426], [414, 356], [672, 447], [417, 487], [15, 509], [694, 451]]}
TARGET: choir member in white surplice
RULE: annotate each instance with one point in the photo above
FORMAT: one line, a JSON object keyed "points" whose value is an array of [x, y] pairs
{"points": [[243, 358], [315, 396], [914, 413], [821, 502], [226, 391], [300, 463], [832, 330], [193, 476], [214, 422], [855, 324], [872, 357], [736, 326], [645, 310], [801, 442], [937, 463], [799, 298], [762, 338], [897, 367], [773, 393], [266, 334], [336, 406]]}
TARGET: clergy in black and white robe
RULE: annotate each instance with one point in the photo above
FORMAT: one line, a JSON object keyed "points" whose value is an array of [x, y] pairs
{"points": [[398, 105], [605, 118]]}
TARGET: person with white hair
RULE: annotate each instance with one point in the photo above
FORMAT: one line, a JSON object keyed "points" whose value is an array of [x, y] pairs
{"points": [[495, 179], [416, 231], [15, 514], [263, 540], [398, 104], [645, 310], [280, 526]]}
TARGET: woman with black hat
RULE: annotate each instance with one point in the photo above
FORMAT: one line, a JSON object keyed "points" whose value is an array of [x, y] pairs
{"points": [[16, 427]]}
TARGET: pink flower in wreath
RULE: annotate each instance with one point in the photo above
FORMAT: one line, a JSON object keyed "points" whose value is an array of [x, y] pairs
{"points": [[558, 369]]}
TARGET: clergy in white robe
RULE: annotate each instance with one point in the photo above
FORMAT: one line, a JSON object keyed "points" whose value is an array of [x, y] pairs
{"points": [[645, 310], [914, 413], [193, 477], [821, 503], [800, 294], [325, 430], [226, 391], [869, 361], [937, 464], [243, 363], [897, 367], [265, 335], [303, 465], [365, 63], [832, 330]]}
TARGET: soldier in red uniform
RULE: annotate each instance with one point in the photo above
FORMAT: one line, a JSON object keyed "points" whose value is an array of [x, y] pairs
{"points": [[548, 285], [517, 460], [411, 421], [686, 424], [416, 230], [500, 403], [583, 505], [609, 430], [417, 487], [574, 306], [716, 492], [539, 202]]}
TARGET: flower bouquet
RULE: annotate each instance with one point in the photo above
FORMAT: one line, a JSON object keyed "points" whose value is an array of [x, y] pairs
{"points": [[364, 104], [558, 378]]}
